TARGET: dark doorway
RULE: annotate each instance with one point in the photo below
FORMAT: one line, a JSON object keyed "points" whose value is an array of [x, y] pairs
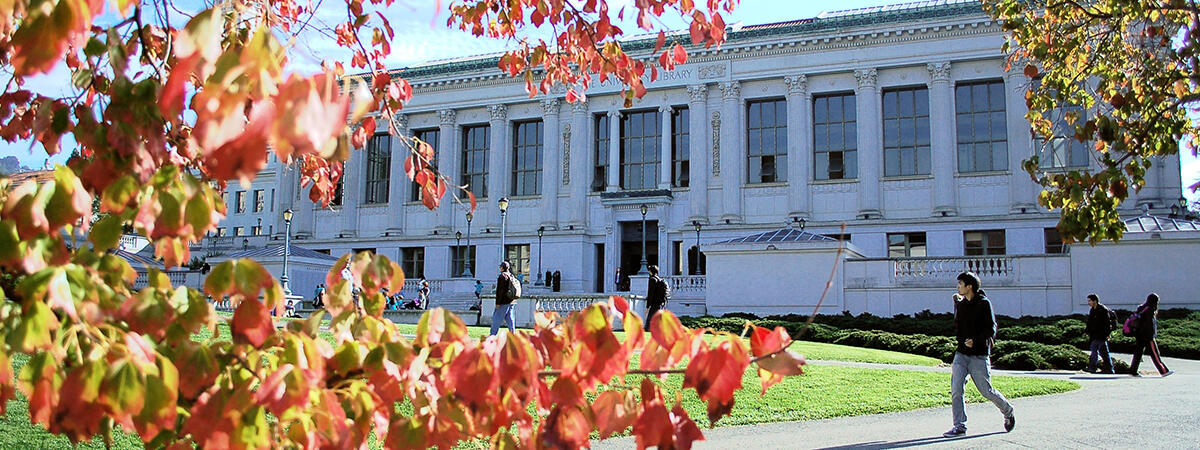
{"points": [[696, 261], [599, 286], [631, 248]]}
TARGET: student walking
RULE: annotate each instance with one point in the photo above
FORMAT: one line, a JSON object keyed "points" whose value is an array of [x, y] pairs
{"points": [[1145, 331], [504, 300], [975, 329], [657, 293], [1100, 324]]}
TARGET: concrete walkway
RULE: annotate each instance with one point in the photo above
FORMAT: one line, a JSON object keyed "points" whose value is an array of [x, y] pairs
{"points": [[1108, 411]]}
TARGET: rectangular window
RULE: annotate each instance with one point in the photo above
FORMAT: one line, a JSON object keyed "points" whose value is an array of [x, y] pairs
{"points": [[906, 132], [259, 200], [272, 200], [430, 137], [518, 256], [239, 199], [239, 231], [906, 245], [982, 127], [641, 140], [474, 158], [461, 257], [1054, 242], [680, 148], [766, 141], [1063, 151], [835, 137], [337, 190], [677, 254], [412, 260], [981, 243], [220, 231], [256, 230], [527, 158], [600, 166], [379, 167]]}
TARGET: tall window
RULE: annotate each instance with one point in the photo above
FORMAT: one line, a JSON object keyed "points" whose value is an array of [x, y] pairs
{"points": [[430, 137], [337, 190], [835, 137], [982, 128], [680, 132], [259, 200], [903, 245], [1063, 151], [379, 166], [461, 257], [979, 243], [600, 166], [641, 136], [239, 231], [518, 256], [1054, 242], [766, 141], [239, 199], [527, 158], [412, 260], [256, 230], [906, 132], [474, 158]]}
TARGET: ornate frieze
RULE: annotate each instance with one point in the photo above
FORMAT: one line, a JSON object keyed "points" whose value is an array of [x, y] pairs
{"points": [[566, 158], [401, 122], [939, 71], [731, 90], [716, 146], [498, 112], [833, 188], [710, 72], [697, 93], [448, 116], [867, 78], [551, 106], [796, 84], [579, 106]]}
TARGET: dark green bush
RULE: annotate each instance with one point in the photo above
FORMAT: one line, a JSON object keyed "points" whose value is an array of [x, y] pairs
{"points": [[1022, 360]]}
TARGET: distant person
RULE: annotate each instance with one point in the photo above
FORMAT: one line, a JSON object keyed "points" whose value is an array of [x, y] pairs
{"points": [[975, 330], [1145, 332], [1100, 324], [423, 293], [504, 300], [657, 293], [319, 296], [617, 279], [478, 296]]}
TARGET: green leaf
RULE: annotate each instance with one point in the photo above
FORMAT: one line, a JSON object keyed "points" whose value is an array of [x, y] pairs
{"points": [[124, 388], [33, 331], [106, 232]]}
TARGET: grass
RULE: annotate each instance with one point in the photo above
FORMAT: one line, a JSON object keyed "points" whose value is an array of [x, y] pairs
{"points": [[822, 392]]}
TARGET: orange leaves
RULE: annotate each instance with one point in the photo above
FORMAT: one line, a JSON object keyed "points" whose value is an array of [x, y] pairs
{"points": [[316, 114], [716, 373], [43, 36], [774, 360], [657, 427], [251, 323], [614, 412]]}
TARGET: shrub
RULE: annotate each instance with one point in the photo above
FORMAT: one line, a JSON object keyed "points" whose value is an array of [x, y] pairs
{"points": [[1022, 360]]}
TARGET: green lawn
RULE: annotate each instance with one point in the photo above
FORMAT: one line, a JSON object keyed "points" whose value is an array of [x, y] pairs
{"points": [[822, 392]]}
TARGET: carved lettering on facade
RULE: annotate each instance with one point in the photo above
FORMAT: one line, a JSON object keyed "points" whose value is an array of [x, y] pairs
{"points": [[674, 75], [716, 152]]}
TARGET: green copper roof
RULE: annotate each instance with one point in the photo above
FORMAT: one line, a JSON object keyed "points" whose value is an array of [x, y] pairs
{"points": [[843, 20]]}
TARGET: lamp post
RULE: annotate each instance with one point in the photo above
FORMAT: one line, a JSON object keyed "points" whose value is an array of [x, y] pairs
{"points": [[470, 254], [458, 248], [287, 249], [642, 270], [258, 229], [541, 229], [503, 204], [696, 224]]}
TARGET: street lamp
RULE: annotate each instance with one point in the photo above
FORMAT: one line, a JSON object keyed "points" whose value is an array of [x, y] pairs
{"points": [[258, 229], [287, 249], [696, 224], [799, 221], [642, 270], [503, 204], [470, 254], [541, 229]]}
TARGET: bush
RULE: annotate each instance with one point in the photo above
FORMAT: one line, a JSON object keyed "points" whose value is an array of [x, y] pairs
{"points": [[1022, 360]]}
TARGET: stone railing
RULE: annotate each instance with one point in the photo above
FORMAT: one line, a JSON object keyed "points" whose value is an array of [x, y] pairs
{"points": [[686, 286], [526, 307], [411, 285], [189, 278], [911, 269], [566, 303]]}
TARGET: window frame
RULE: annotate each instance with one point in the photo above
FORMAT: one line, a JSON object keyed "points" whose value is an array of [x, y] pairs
{"points": [[600, 143], [523, 149], [259, 199], [239, 199], [911, 158], [996, 137], [414, 194], [908, 242], [648, 168], [1054, 244], [756, 131], [987, 246], [680, 147], [468, 172], [462, 257], [520, 263], [848, 151], [378, 165], [412, 261]]}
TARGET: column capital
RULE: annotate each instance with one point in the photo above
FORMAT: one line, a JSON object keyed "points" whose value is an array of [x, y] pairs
{"points": [[664, 109], [796, 84], [448, 116], [551, 106], [1016, 68], [614, 115], [867, 78], [697, 93], [731, 90], [939, 71], [498, 112], [580, 106]]}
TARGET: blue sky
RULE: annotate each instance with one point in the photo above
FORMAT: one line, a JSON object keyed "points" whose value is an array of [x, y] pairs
{"points": [[422, 35]]}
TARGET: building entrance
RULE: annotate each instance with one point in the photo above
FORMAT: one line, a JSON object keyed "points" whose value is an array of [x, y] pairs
{"points": [[631, 248]]}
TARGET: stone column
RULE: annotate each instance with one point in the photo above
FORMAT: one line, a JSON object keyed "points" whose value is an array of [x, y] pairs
{"points": [[664, 147], [698, 152], [447, 163], [942, 123], [550, 162], [614, 151], [302, 207], [496, 157], [716, 209], [799, 122], [285, 186], [398, 183], [735, 156], [577, 160], [870, 146], [353, 184], [1022, 189]]}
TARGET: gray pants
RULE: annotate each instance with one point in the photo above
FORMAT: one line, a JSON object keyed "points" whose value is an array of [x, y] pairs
{"points": [[980, 370]]}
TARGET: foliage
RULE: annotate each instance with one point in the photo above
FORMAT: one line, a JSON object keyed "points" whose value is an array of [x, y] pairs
{"points": [[1132, 65]]}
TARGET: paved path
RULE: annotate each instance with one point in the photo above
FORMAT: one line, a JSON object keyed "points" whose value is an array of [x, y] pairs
{"points": [[1108, 411]]}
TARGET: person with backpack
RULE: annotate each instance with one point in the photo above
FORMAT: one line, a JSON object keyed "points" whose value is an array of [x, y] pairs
{"points": [[1145, 329], [1100, 324], [975, 330], [508, 289], [657, 293]]}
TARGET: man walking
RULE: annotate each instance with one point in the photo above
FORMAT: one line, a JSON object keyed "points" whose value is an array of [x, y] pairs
{"points": [[975, 328], [1100, 323], [504, 311], [657, 294]]}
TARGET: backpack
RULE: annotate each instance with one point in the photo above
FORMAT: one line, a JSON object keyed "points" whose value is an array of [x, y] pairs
{"points": [[1112, 321], [1131, 324], [514, 287]]}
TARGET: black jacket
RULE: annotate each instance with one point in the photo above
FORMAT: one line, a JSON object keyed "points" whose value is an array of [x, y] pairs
{"points": [[502, 283], [1098, 323], [973, 319], [1147, 327], [657, 292]]}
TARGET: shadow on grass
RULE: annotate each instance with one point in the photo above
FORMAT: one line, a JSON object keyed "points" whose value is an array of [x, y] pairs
{"points": [[910, 442]]}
